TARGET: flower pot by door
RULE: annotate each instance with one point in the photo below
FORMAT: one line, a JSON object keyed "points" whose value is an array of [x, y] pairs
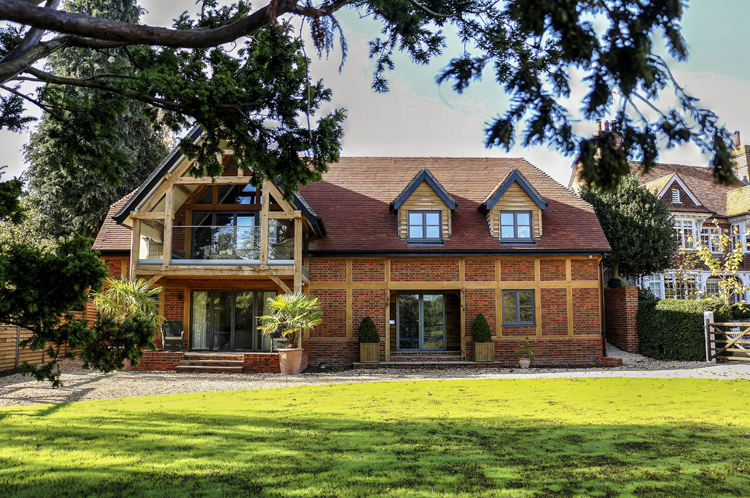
{"points": [[484, 352], [524, 362], [290, 360], [369, 352]]}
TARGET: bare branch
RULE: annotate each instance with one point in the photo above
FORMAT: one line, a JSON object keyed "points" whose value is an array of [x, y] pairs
{"points": [[33, 37], [132, 34]]}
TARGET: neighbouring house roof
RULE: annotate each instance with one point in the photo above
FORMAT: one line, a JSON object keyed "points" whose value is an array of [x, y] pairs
{"points": [[424, 175], [112, 236], [738, 201], [355, 194], [354, 197], [698, 179], [514, 176]]}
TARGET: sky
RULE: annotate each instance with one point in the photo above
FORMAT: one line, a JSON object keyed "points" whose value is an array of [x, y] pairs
{"points": [[419, 118]]}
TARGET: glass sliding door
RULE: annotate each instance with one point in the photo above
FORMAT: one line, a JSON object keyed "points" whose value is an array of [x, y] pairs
{"points": [[421, 321], [225, 320]]}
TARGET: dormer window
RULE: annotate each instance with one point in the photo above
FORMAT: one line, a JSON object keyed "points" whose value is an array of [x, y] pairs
{"points": [[676, 196], [425, 226], [515, 225]]}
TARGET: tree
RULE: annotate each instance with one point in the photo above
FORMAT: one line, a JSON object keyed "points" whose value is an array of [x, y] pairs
{"points": [[69, 197], [28, 233], [253, 96], [725, 266], [123, 299], [637, 225]]}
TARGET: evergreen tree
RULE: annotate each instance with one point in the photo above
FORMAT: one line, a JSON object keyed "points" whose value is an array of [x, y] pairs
{"points": [[65, 189], [638, 227]]}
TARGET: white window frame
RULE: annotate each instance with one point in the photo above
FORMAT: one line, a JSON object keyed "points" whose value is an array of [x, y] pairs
{"points": [[708, 234], [683, 292], [654, 283], [685, 228]]}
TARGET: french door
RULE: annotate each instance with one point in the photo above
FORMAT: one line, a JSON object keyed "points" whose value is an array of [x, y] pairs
{"points": [[421, 321], [225, 320]]}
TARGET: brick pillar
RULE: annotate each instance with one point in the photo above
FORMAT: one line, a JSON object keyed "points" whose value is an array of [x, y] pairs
{"points": [[620, 308]]}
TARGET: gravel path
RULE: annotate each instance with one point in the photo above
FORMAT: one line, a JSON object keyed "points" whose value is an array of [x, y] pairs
{"points": [[16, 390]]}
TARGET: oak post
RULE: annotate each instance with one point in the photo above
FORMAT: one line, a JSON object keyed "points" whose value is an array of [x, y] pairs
{"points": [[297, 251], [166, 256], [135, 248]]}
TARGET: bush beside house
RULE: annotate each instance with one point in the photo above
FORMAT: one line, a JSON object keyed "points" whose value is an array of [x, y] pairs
{"points": [[672, 329]]}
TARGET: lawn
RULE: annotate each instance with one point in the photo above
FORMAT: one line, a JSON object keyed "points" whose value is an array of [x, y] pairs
{"points": [[478, 438]]}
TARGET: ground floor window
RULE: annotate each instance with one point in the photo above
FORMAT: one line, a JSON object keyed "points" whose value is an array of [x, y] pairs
{"points": [[683, 286], [225, 320], [518, 307], [712, 286], [653, 283]]}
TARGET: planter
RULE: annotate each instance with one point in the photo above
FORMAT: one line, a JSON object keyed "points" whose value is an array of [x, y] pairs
{"points": [[290, 360], [369, 352], [524, 362], [127, 366], [484, 352]]}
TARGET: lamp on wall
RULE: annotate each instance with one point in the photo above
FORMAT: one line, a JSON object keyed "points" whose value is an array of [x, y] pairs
{"points": [[180, 296]]}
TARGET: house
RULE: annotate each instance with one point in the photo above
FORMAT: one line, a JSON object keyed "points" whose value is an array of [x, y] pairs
{"points": [[696, 202], [421, 245]]}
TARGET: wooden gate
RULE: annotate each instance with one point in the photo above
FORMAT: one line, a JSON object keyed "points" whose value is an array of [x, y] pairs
{"points": [[728, 341]]}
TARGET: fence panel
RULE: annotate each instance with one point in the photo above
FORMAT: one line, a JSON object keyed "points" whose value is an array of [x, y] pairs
{"points": [[728, 341], [11, 354]]}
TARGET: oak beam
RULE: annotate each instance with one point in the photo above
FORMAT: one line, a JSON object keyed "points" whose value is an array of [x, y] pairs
{"points": [[298, 251], [158, 215], [207, 180], [264, 229], [229, 270], [273, 189], [280, 283], [153, 280], [463, 325]]}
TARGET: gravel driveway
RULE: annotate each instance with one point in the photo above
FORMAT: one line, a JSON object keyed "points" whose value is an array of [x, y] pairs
{"points": [[16, 390]]}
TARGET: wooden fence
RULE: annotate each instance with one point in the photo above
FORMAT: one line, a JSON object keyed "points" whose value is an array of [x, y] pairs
{"points": [[728, 341], [11, 354]]}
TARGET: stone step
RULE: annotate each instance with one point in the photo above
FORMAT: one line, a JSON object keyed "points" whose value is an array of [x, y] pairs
{"points": [[192, 361], [209, 368]]}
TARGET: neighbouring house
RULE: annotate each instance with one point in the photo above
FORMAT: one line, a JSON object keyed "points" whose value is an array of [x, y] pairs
{"points": [[421, 245], [696, 200]]}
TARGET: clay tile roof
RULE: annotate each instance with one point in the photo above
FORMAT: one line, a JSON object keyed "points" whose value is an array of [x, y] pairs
{"points": [[699, 179], [354, 195], [113, 236], [512, 176], [738, 201], [656, 186]]}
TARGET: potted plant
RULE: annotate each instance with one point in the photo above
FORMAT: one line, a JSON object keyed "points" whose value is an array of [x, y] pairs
{"points": [[369, 341], [291, 315], [525, 353], [484, 349]]}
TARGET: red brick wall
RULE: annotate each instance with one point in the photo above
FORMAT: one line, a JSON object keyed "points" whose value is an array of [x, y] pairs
{"points": [[369, 302], [160, 360], [478, 301], [114, 267], [554, 304], [517, 270], [339, 353], [479, 270], [584, 269], [586, 311], [424, 270], [265, 363], [552, 269], [519, 331], [327, 270], [178, 232], [333, 304], [553, 351], [620, 308], [368, 270]]}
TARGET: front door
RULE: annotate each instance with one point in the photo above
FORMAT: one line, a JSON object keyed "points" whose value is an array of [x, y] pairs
{"points": [[225, 320], [421, 321]]}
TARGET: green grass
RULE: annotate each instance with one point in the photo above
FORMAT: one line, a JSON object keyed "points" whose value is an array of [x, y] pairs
{"points": [[473, 438]]}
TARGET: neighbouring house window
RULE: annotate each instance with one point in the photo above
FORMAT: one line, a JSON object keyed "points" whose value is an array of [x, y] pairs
{"points": [[425, 226], [518, 307], [683, 287], [676, 196], [684, 229], [712, 286], [515, 225], [653, 283], [736, 237], [710, 238]]}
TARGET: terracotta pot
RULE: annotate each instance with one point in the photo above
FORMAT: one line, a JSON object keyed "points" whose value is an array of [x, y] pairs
{"points": [[290, 360], [126, 367], [369, 352], [524, 362]]}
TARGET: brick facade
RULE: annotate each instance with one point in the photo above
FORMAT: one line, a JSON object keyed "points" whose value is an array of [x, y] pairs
{"points": [[620, 309], [517, 270], [424, 270]]}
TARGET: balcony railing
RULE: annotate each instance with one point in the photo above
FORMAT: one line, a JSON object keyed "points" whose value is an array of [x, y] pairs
{"points": [[209, 244]]}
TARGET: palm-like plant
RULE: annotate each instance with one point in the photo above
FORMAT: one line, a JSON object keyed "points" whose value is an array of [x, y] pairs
{"points": [[291, 314], [123, 299]]}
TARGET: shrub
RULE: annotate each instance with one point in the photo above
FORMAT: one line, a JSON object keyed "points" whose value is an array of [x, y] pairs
{"points": [[740, 313], [614, 283], [672, 329], [645, 294], [368, 332], [480, 330]]}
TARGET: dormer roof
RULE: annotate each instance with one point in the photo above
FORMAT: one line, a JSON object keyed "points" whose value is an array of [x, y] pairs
{"points": [[661, 185], [515, 176], [424, 175]]}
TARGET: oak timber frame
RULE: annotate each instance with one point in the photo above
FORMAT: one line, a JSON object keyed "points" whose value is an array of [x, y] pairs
{"points": [[165, 191]]}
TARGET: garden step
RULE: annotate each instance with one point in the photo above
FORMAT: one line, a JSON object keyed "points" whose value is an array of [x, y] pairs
{"points": [[209, 368], [212, 362]]}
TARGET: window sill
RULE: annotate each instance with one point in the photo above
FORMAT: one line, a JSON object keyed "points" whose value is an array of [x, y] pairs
{"points": [[523, 324]]}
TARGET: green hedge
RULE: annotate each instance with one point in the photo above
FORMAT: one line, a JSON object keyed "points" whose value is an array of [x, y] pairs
{"points": [[672, 329]]}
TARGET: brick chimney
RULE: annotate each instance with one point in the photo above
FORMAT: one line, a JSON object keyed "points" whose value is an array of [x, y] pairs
{"points": [[741, 159]]}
